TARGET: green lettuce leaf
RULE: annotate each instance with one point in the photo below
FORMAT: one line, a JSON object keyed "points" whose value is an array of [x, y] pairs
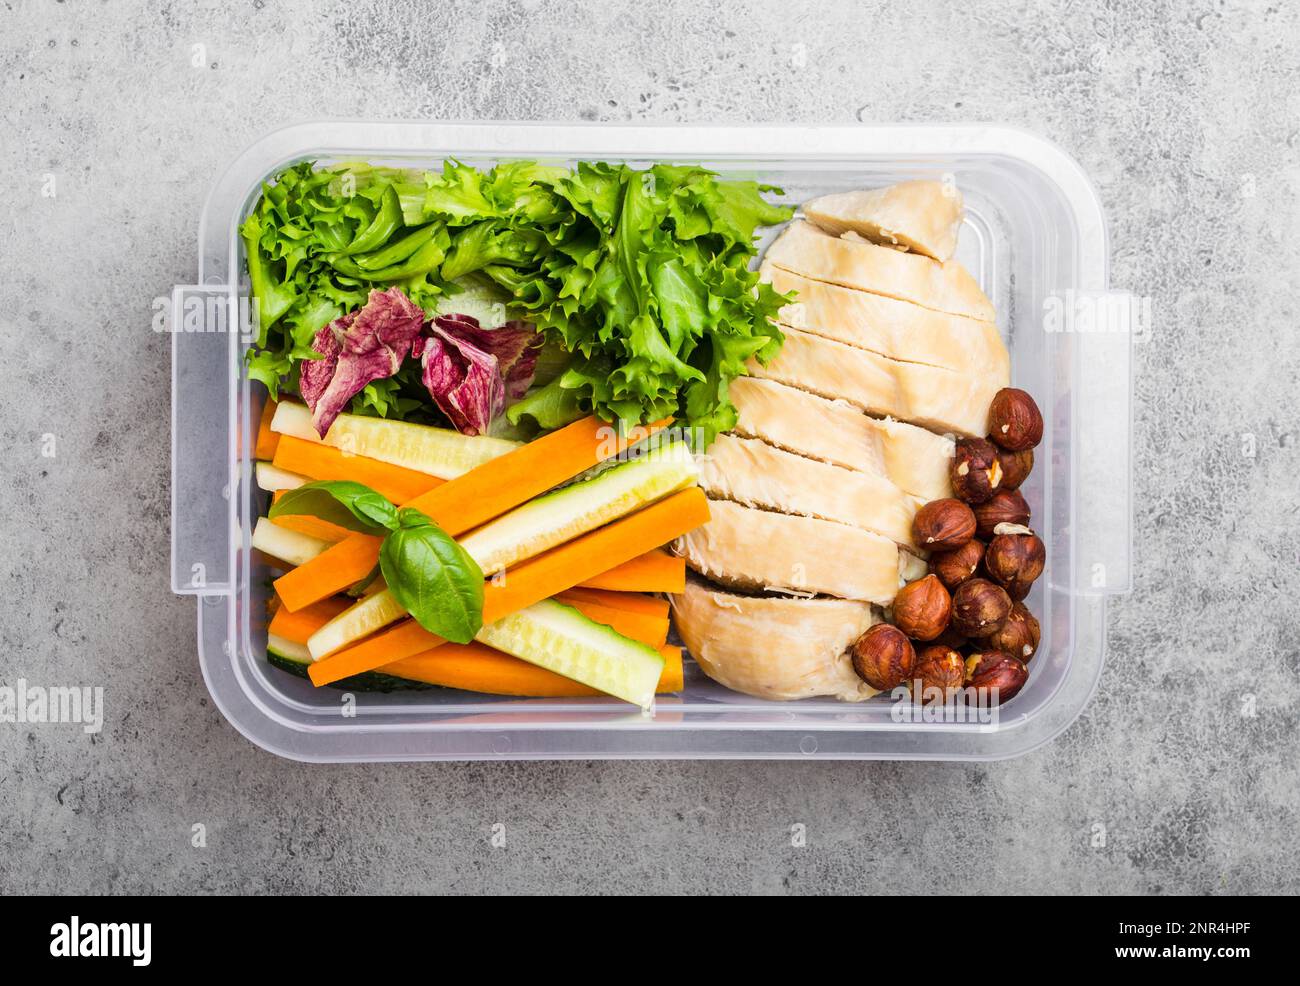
{"points": [[640, 277]]}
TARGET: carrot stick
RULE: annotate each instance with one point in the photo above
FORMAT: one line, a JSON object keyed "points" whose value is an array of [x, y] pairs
{"points": [[470, 500], [306, 621], [652, 630], [326, 462], [673, 677], [317, 528], [655, 571], [505, 482], [478, 668], [534, 580], [633, 602], [267, 440], [301, 586]]}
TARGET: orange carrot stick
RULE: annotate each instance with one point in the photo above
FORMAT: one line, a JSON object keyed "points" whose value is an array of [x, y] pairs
{"points": [[301, 586], [532, 581], [472, 499], [267, 440], [477, 668], [655, 571], [673, 676], [501, 484], [652, 630], [326, 462], [317, 528], [634, 602]]}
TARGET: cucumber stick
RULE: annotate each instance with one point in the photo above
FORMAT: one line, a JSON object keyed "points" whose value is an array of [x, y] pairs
{"points": [[563, 514], [291, 547], [272, 478], [361, 619], [560, 639], [438, 452], [290, 650], [537, 526]]}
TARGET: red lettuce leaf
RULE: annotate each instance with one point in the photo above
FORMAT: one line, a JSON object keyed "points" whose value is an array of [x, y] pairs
{"points": [[471, 371], [361, 346]]}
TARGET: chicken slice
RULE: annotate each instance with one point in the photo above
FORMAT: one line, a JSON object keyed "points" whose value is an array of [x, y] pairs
{"points": [[924, 216], [893, 328], [853, 262], [773, 647], [756, 474], [758, 549], [913, 459], [924, 395]]}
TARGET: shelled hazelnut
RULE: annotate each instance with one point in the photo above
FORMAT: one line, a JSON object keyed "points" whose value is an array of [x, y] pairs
{"points": [[1016, 467], [1014, 561], [938, 670], [922, 608], [975, 470], [1019, 634], [942, 525], [956, 566], [995, 675], [979, 607], [1004, 507], [1015, 422], [883, 657]]}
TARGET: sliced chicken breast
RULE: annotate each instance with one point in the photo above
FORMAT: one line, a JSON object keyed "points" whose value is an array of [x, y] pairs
{"points": [[853, 262], [756, 474], [772, 647], [913, 459], [758, 549], [924, 395], [923, 216], [893, 328]]}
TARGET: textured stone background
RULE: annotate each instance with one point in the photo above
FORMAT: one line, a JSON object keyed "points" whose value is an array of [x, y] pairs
{"points": [[1187, 115]]}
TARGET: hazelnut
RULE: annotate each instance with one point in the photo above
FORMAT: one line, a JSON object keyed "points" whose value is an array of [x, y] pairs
{"points": [[956, 566], [1016, 467], [922, 608], [995, 677], [940, 671], [1015, 422], [979, 607], [1018, 635], [975, 470], [883, 657], [1004, 507], [1014, 561], [942, 525]]}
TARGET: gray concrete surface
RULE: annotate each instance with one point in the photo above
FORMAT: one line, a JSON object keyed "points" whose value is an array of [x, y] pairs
{"points": [[1187, 115]]}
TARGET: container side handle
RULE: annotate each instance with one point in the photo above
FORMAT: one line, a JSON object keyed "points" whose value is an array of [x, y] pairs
{"points": [[1105, 327], [201, 526]]}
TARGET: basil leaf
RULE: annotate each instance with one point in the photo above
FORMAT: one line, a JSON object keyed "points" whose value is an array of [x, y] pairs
{"points": [[342, 502], [433, 577]]}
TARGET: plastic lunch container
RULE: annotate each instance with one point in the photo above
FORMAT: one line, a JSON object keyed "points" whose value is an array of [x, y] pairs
{"points": [[1035, 239]]}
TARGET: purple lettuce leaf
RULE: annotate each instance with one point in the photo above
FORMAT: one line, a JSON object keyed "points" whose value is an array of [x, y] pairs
{"points": [[471, 371], [357, 348]]}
